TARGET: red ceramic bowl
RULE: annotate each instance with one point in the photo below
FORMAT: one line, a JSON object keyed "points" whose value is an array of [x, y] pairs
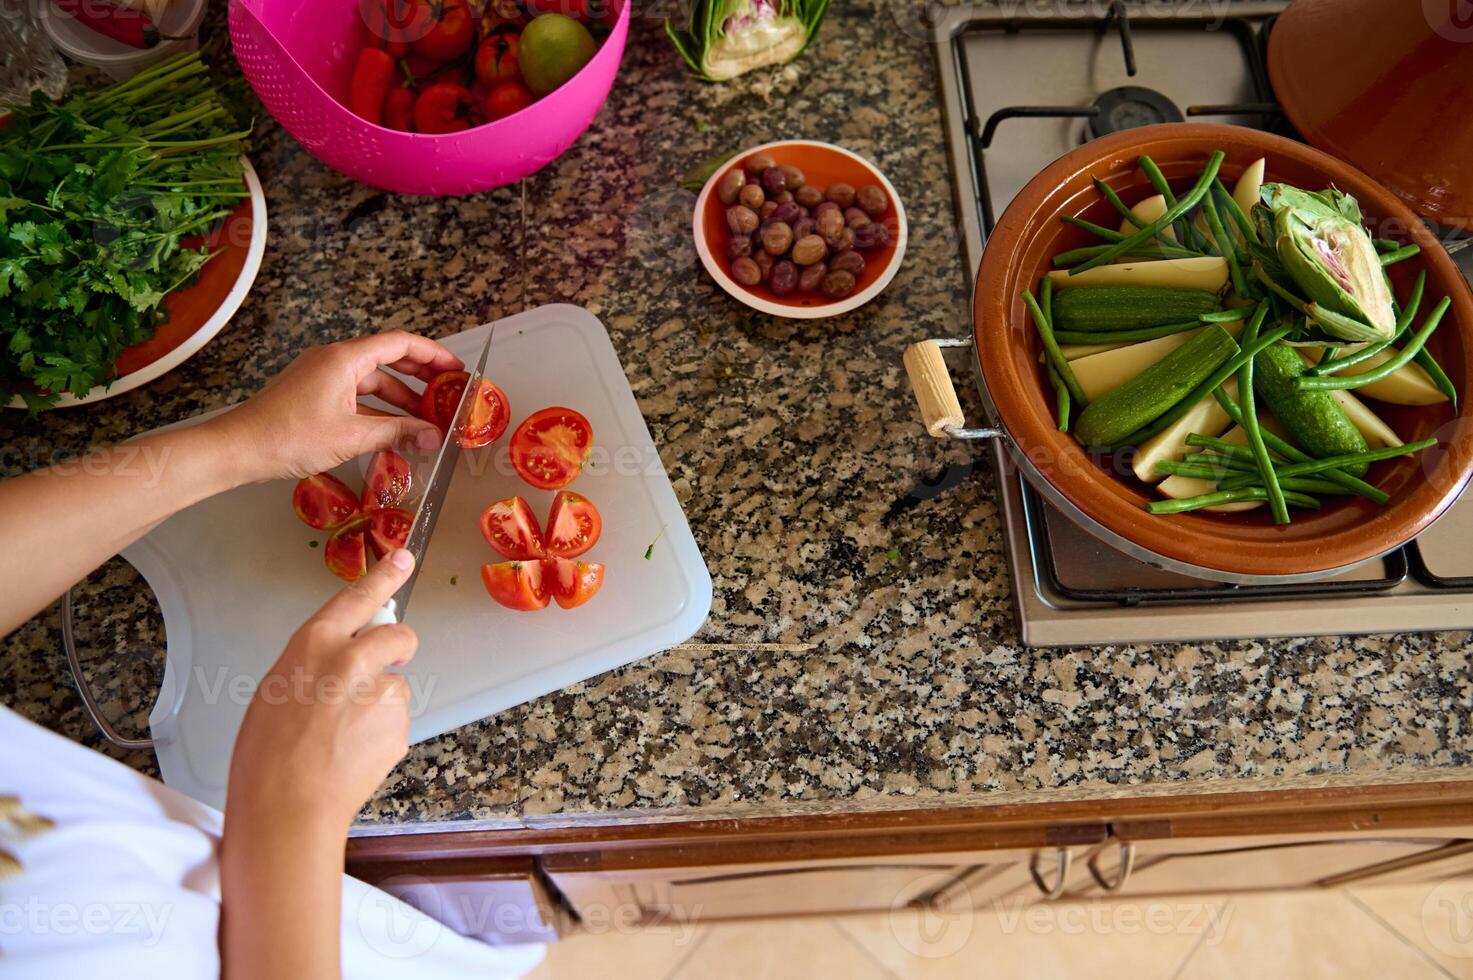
{"points": [[1100, 493]]}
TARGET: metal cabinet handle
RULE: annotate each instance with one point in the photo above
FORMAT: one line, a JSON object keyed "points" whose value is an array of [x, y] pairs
{"points": [[89, 700], [1063, 858], [941, 410], [1122, 871]]}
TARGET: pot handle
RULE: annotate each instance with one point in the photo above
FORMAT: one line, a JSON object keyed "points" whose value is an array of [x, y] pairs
{"points": [[941, 410]]}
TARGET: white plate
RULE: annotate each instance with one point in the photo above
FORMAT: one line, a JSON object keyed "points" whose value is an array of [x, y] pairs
{"points": [[255, 250]]}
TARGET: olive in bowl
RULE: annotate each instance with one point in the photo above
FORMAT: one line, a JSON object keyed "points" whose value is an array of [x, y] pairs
{"points": [[800, 229]]}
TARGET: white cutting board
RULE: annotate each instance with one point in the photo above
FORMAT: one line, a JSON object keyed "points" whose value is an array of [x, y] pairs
{"points": [[236, 575]]}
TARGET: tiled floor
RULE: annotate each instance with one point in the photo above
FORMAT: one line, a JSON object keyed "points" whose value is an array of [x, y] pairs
{"points": [[1403, 932]]}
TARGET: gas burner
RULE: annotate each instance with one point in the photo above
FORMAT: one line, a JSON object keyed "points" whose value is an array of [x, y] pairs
{"points": [[1130, 106]]}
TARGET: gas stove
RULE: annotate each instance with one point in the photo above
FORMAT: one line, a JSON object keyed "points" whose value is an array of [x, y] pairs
{"points": [[1022, 84]]}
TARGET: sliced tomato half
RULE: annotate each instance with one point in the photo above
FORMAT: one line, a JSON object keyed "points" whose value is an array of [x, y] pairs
{"points": [[489, 415], [573, 525], [510, 527], [517, 585], [388, 530], [388, 481], [323, 501], [549, 447], [346, 552], [572, 583]]}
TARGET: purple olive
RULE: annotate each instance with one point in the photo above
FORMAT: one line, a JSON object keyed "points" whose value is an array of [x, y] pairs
{"points": [[745, 271], [803, 227], [856, 218], [738, 247], [788, 212], [811, 276], [823, 206], [774, 180], [871, 236], [784, 278], [764, 262], [848, 261]]}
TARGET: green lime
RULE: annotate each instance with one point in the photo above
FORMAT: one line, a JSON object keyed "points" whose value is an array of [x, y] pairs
{"points": [[552, 50]]}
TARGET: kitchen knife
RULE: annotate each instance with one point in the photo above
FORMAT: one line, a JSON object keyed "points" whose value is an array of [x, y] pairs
{"points": [[428, 511]]}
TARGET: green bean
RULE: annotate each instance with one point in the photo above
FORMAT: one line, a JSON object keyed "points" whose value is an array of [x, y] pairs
{"points": [[1182, 206], [1332, 365], [1391, 258], [1222, 447], [1226, 497], [1109, 194], [1227, 370], [1197, 471], [1438, 375], [1256, 445], [1227, 316], [1184, 232], [1225, 245], [1349, 459], [1304, 484], [1123, 336], [1312, 383], [1290, 451], [1215, 459], [1061, 398], [1150, 251], [1051, 347], [1250, 233], [1108, 234], [1385, 244]]}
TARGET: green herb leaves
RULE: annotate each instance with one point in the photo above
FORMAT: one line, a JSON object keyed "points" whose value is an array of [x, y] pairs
{"points": [[100, 199]]}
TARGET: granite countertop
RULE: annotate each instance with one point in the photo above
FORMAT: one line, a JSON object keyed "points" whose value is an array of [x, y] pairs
{"points": [[861, 651]]}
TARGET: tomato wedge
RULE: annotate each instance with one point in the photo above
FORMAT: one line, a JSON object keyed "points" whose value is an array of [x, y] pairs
{"points": [[323, 501], [387, 482], [516, 584], [573, 525], [388, 530], [549, 447], [510, 527], [572, 583], [345, 553], [489, 415]]}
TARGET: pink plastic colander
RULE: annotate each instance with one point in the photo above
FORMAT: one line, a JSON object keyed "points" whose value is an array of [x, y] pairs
{"points": [[299, 59]]}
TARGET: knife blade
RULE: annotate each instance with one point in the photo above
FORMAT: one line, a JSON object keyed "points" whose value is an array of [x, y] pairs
{"points": [[441, 474]]}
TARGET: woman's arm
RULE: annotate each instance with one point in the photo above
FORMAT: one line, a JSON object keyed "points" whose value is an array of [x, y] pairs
{"points": [[325, 728], [72, 517]]}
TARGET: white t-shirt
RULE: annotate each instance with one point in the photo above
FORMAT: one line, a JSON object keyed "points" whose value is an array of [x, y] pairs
{"points": [[125, 882]]}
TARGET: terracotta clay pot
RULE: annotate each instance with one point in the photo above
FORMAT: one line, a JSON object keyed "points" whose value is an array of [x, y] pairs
{"points": [[1383, 84], [1099, 491]]}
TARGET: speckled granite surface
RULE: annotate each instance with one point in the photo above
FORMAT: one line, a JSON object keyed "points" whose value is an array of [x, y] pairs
{"points": [[861, 650]]}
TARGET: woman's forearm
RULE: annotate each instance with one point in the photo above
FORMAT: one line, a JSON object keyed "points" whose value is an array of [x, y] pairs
{"points": [[73, 516], [281, 879]]}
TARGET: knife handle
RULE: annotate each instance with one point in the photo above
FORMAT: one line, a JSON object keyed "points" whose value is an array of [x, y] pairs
{"points": [[385, 615]]}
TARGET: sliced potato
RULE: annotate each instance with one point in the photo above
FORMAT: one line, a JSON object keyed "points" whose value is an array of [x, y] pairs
{"points": [[1107, 370], [1210, 272], [1409, 386], [1182, 487], [1149, 210], [1248, 187], [1206, 417]]}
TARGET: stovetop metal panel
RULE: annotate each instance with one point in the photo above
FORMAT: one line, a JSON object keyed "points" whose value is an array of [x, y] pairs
{"points": [[990, 58]]}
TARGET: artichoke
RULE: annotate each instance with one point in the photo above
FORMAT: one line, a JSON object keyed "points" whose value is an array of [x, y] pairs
{"points": [[1323, 247], [726, 38]]}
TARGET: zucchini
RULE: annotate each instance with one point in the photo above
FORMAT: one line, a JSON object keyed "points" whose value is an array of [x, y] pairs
{"points": [[1314, 420], [1108, 420], [1097, 308]]}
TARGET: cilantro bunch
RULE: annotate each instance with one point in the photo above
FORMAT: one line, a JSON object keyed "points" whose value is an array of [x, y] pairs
{"points": [[97, 195]]}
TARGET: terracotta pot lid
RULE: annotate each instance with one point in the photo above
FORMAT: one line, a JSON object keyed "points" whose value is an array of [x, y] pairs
{"points": [[1099, 492], [1383, 84]]}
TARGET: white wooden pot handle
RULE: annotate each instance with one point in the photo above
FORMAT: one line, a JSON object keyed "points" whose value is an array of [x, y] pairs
{"points": [[930, 379]]}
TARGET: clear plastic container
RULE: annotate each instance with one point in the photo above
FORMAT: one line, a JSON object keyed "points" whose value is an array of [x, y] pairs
{"points": [[180, 19]]}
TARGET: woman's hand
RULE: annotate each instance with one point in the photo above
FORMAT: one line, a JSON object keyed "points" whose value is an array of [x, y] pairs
{"points": [[307, 419], [327, 724]]}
